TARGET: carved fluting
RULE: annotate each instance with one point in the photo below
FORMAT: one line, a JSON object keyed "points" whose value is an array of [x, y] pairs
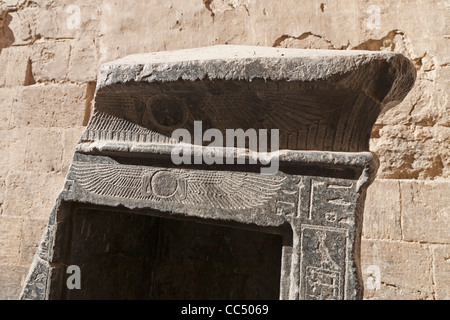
{"points": [[222, 190], [108, 127], [308, 118]]}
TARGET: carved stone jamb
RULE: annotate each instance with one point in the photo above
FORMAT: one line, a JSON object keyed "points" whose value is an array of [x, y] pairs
{"points": [[324, 103]]}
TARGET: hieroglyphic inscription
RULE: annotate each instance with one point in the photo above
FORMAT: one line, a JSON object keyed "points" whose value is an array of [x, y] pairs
{"points": [[324, 208], [319, 201], [322, 284], [287, 202], [335, 203], [327, 215], [286, 209], [323, 263]]}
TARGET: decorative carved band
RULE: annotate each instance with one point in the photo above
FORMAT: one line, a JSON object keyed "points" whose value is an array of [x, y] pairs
{"points": [[211, 188]]}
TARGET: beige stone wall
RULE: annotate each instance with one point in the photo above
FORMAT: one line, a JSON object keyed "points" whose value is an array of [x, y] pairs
{"points": [[51, 51]]}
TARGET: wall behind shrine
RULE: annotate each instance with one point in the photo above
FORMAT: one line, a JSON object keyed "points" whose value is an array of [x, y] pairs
{"points": [[51, 52]]}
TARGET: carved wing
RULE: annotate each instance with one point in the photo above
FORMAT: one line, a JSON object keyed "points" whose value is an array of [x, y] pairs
{"points": [[231, 190], [290, 110], [110, 179]]}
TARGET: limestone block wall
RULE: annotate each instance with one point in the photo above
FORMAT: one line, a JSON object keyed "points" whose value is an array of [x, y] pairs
{"points": [[50, 52]]}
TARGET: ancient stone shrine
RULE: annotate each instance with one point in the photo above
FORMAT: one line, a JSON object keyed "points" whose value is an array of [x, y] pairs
{"points": [[140, 226]]}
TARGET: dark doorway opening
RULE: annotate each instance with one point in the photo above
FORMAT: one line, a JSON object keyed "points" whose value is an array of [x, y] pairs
{"points": [[129, 256]]}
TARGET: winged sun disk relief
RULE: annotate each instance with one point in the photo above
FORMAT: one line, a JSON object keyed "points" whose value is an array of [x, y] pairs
{"points": [[289, 110], [204, 188]]}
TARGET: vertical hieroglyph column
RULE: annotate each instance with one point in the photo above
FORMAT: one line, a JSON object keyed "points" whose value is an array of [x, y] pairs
{"points": [[323, 104]]}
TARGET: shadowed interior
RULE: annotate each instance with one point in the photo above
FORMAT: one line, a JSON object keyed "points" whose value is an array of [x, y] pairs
{"points": [[129, 256]]}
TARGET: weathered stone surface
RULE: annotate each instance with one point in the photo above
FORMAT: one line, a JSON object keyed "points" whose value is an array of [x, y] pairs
{"points": [[21, 26], [70, 139], [41, 275], [31, 200], [14, 63], [417, 213], [25, 149], [68, 19], [382, 214], [277, 103], [13, 148], [414, 128], [227, 63], [421, 160], [13, 4], [420, 215], [400, 279], [5, 35], [44, 139], [314, 203], [2, 194], [49, 106], [441, 265], [6, 99], [83, 65], [10, 239], [11, 280], [50, 60], [31, 235]]}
